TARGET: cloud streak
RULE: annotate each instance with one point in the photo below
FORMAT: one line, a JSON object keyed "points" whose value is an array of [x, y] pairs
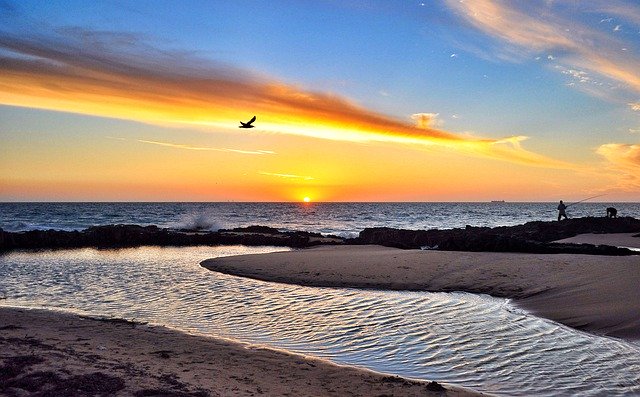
{"points": [[206, 148], [287, 176], [117, 75]]}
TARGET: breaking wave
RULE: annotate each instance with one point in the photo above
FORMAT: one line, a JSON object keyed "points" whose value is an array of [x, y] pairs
{"points": [[202, 221]]}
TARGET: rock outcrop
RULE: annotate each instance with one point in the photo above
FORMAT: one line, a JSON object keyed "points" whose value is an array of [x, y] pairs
{"points": [[532, 237], [114, 236]]}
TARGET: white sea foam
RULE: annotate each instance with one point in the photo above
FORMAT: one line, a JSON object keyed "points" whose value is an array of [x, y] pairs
{"points": [[16, 226], [197, 221], [344, 234]]}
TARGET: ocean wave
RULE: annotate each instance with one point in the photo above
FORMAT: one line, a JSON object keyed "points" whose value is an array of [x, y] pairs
{"points": [[16, 226], [197, 221], [347, 234]]}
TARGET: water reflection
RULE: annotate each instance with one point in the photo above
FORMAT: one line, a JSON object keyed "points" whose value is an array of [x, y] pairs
{"points": [[471, 340]]}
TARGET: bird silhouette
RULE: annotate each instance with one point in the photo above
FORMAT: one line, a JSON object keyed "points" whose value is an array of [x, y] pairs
{"points": [[248, 123]]}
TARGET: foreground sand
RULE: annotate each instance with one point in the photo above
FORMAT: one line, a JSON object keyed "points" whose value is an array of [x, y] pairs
{"points": [[51, 353], [594, 293]]}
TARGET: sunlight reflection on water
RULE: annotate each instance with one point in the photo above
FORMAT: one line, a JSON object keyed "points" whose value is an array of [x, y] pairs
{"points": [[471, 340]]}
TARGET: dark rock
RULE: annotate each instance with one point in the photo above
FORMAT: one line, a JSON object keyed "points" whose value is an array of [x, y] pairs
{"points": [[254, 229], [117, 236], [532, 237]]}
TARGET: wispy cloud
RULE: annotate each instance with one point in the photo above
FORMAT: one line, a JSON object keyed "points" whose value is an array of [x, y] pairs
{"points": [[206, 148], [287, 176], [530, 28], [617, 8], [119, 75]]}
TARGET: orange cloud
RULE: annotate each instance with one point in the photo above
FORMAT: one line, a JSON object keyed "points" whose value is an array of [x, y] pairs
{"points": [[508, 23], [114, 75], [623, 160]]}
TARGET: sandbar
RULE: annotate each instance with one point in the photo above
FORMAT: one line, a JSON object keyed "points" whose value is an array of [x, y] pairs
{"points": [[615, 239], [54, 353], [593, 293]]}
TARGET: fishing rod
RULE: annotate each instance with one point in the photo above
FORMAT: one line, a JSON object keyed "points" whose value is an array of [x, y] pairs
{"points": [[582, 201]]}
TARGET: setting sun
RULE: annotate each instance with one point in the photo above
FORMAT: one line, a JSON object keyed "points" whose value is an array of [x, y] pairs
{"points": [[306, 199]]}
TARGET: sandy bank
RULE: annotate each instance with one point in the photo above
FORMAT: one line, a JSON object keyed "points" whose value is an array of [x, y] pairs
{"points": [[63, 354], [594, 293], [615, 239]]}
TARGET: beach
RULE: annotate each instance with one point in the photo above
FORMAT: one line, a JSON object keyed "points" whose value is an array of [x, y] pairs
{"points": [[594, 293], [57, 353], [48, 351]]}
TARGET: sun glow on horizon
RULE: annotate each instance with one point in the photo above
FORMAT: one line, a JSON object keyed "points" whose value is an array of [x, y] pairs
{"points": [[306, 199]]}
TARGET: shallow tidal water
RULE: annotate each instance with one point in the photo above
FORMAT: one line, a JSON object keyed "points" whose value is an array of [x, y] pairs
{"points": [[475, 341]]}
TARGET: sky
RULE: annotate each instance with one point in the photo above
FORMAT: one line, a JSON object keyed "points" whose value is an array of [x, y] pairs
{"points": [[433, 100]]}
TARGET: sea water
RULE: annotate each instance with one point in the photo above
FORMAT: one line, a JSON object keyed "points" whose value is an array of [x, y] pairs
{"points": [[343, 219], [476, 341]]}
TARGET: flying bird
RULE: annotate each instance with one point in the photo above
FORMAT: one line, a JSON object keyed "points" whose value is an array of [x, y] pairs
{"points": [[248, 123]]}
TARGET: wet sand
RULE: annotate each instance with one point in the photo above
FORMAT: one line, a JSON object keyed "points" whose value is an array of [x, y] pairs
{"points": [[53, 353], [598, 294]]}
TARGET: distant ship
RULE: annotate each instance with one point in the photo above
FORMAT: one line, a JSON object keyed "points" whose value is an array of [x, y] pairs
{"points": [[498, 201]]}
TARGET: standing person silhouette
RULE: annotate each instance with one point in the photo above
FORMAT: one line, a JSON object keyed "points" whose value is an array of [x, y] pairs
{"points": [[561, 211]]}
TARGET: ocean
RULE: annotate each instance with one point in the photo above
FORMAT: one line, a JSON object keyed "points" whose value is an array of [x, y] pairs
{"points": [[342, 219]]}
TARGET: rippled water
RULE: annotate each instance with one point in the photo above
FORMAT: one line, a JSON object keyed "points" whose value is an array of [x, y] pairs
{"points": [[345, 219], [474, 341]]}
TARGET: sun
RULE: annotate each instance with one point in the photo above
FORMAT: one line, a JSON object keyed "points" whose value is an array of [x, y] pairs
{"points": [[306, 199]]}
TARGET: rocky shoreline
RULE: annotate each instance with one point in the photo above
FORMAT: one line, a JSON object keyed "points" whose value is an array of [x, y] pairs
{"points": [[531, 237], [120, 236]]}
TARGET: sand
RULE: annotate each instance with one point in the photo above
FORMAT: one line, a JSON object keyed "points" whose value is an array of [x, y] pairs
{"points": [[615, 239], [598, 294], [53, 353]]}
